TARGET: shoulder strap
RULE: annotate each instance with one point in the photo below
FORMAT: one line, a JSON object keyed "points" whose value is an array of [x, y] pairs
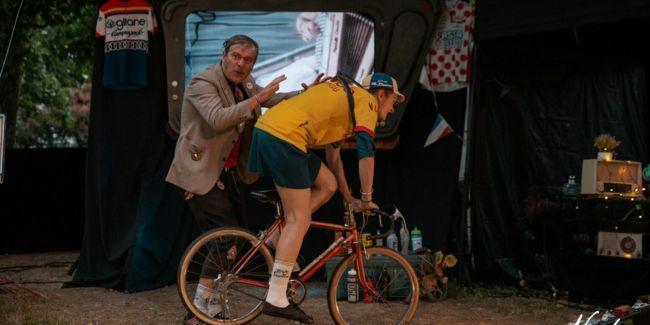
{"points": [[344, 81]]}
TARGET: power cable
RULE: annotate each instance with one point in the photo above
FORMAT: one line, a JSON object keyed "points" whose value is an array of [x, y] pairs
{"points": [[13, 29], [21, 268]]}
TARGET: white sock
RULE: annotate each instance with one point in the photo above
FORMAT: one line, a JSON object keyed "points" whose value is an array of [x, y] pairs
{"points": [[214, 307], [202, 297], [277, 295]]}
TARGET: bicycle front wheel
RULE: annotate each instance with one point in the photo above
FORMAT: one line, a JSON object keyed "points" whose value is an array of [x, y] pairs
{"points": [[227, 296], [395, 284]]}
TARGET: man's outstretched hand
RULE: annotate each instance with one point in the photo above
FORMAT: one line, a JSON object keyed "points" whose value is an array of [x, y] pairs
{"points": [[269, 90], [319, 79]]}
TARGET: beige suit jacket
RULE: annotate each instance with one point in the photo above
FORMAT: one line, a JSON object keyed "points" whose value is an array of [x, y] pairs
{"points": [[210, 125]]}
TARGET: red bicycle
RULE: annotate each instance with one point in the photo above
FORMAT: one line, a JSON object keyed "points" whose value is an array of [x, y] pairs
{"points": [[382, 288]]}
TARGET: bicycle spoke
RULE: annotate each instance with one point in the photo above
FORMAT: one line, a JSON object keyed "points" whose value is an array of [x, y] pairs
{"points": [[247, 294], [392, 281], [213, 256]]}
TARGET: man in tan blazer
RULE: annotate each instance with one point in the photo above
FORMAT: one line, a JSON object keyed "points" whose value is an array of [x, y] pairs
{"points": [[220, 107]]}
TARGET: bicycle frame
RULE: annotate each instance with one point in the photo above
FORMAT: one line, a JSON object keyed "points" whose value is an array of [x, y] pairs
{"points": [[334, 249]]}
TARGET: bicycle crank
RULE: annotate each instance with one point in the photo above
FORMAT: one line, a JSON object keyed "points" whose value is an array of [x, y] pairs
{"points": [[296, 291]]}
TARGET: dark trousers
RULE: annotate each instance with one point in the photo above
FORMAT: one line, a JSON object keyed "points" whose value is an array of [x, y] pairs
{"points": [[219, 208]]}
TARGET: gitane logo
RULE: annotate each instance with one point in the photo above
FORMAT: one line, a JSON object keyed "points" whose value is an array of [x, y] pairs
{"points": [[121, 23]]}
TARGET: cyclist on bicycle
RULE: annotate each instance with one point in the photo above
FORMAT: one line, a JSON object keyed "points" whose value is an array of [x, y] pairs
{"points": [[283, 136]]}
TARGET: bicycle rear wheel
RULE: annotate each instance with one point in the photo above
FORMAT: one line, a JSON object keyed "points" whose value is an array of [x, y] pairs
{"points": [[210, 260], [392, 277]]}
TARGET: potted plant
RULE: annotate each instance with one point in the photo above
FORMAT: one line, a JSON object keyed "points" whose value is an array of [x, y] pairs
{"points": [[606, 145]]}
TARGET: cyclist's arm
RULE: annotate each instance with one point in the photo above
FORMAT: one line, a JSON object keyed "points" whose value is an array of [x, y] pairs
{"points": [[366, 173], [366, 154], [333, 157]]}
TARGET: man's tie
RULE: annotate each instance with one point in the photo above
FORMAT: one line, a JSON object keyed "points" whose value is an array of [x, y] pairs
{"points": [[239, 95]]}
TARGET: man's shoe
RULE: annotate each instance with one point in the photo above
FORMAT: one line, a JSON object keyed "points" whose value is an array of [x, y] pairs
{"points": [[190, 319], [292, 312]]}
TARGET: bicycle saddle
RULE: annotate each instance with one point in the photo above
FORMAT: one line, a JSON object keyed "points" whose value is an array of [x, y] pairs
{"points": [[266, 196]]}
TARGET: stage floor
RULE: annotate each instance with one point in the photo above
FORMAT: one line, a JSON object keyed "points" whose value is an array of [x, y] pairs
{"points": [[162, 306]]}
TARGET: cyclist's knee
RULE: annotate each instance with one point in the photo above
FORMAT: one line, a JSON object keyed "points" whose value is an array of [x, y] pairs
{"points": [[296, 220], [328, 185], [332, 186]]}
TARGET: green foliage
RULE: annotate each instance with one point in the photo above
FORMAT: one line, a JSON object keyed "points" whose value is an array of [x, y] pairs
{"points": [[57, 38]]}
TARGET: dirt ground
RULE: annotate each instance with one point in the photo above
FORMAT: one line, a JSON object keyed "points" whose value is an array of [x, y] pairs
{"points": [[162, 306]]}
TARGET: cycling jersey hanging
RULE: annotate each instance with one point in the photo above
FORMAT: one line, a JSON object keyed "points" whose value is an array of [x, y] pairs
{"points": [[125, 26]]}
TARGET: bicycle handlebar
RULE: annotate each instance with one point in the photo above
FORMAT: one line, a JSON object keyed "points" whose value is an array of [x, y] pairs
{"points": [[391, 226]]}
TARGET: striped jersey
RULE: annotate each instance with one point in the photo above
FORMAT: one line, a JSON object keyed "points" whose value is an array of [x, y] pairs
{"points": [[125, 27]]}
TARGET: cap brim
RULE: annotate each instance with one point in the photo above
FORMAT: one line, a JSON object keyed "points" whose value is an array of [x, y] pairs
{"points": [[400, 97]]}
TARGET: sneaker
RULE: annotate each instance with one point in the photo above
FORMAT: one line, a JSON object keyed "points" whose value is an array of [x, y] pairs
{"points": [[190, 319], [292, 312]]}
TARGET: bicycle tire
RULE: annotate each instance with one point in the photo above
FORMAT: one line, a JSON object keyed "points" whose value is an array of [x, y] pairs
{"points": [[408, 293], [242, 238]]}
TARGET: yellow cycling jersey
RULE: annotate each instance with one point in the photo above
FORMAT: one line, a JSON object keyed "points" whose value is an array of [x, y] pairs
{"points": [[320, 116]]}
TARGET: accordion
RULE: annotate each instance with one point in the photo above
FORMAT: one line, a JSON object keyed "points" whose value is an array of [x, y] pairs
{"points": [[346, 45]]}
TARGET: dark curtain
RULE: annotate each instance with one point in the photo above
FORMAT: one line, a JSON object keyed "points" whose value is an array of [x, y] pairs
{"points": [[423, 182], [542, 99], [501, 18], [136, 224], [42, 200]]}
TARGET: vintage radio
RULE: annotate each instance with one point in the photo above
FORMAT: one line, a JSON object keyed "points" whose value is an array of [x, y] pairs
{"points": [[611, 177], [619, 244]]}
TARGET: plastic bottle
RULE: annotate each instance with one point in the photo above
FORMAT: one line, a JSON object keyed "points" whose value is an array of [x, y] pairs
{"points": [[404, 239], [365, 238], [573, 187], [353, 287], [565, 188], [391, 241], [416, 239], [379, 241]]}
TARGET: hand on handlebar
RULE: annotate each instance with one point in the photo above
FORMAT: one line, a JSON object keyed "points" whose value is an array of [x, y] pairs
{"points": [[368, 206], [354, 203]]}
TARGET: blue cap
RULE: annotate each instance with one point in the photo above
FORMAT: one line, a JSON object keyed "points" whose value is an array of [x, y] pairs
{"points": [[382, 80]]}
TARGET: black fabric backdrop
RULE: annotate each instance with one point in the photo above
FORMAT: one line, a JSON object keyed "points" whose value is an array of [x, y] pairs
{"points": [[41, 200], [542, 99], [137, 226], [500, 18]]}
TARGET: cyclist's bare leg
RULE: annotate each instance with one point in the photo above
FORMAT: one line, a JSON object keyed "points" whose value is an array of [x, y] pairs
{"points": [[324, 187], [297, 215], [297, 205]]}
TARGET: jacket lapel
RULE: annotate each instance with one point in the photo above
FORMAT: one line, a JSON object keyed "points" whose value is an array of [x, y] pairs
{"points": [[220, 80]]}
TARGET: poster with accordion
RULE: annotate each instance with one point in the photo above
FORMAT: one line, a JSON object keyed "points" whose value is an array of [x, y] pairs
{"points": [[346, 45], [299, 45]]}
